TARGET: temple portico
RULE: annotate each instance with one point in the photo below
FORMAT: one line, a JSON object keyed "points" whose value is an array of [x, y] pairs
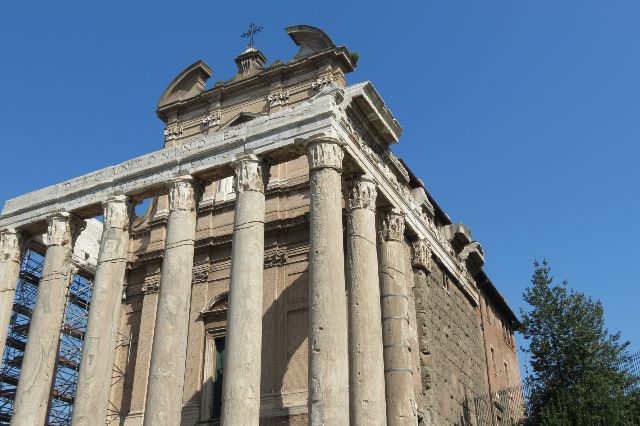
{"points": [[307, 264]]}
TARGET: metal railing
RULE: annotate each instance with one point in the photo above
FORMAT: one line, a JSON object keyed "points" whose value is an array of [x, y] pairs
{"points": [[513, 406]]}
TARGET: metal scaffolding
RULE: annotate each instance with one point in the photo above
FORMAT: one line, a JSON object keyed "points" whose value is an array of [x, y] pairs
{"points": [[70, 346]]}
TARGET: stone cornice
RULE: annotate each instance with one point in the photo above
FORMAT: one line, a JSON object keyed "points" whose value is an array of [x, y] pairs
{"points": [[391, 187], [277, 134]]}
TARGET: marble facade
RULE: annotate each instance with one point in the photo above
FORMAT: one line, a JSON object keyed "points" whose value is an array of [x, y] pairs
{"points": [[282, 232]]}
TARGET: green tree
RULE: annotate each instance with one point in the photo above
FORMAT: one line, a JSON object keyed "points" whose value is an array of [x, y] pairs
{"points": [[578, 373]]}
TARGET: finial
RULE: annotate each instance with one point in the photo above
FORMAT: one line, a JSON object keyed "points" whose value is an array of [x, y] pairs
{"points": [[251, 32]]}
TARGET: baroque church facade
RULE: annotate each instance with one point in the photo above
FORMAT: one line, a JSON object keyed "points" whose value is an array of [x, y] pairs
{"points": [[289, 268]]}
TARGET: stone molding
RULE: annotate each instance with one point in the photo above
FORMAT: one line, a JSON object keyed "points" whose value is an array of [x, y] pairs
{"points": [[391, 226], [62, 229], [362, 193], [251, 173], [12, 244], [173, 131], [325, 153], [280, 97], [211, 120], [280, 131], [278, 258], [118, 212], [183, 193], [421, 254], [321, 82]]}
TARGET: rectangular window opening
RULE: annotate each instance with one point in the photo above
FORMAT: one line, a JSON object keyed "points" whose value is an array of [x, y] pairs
{"points": [[217, 377]]}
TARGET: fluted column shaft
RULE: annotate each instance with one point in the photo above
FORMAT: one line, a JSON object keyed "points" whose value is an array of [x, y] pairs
{"points": [[165, 385], [41, 353], [12, 244], [366, 363], [241, 384], [398, 372], [328, 344], [94, 380]]}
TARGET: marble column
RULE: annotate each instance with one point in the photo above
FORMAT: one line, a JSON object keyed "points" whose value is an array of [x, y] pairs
{"points": [[241, 383], [41, 354], [12, 245], [163, 405], [94, 379], [328, 343], [366, 363], [398, 372]]}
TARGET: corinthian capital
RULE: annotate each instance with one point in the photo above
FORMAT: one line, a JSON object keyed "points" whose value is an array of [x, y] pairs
{"points": [[392, 226], [325, 154], [183, 193], [251, 173], [63, 229], [421, 254], [117, 212], [361, 193], [12, 244]]}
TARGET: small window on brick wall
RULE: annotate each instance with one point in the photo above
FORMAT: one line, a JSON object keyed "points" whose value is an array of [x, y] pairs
{"points": [[493, 361]]}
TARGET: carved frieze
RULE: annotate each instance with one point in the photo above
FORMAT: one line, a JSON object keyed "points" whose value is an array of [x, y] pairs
{"points": [[325, 154], [251, 173], [117, 212], [63, 229], [276, 259], [391, 227], [173, 131], [421, 255], [200, 276], [281, 97], [211, 120], [361, 193], [151, 285], [322, 82], [12, 244], [183, 193]]}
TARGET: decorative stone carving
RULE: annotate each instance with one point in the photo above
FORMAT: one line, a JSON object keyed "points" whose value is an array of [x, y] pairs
{"points": [[421, 255], [275, 259], [325, 154], [211, 120], [183, 193], [362, 193], [200, 277], [281, 97], [322, 82], [150, 287], [173, 131], [117, 212], [392, 226], [63, 229], [251, 173], [71, 270], [12, 244]]}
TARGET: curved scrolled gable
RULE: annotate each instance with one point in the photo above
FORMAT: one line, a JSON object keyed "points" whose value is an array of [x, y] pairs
{"points": [[189, 83], [310, 39], [218, 303]]}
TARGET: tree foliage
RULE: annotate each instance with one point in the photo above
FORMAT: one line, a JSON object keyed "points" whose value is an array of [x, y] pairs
{"points": [[578, 376]]}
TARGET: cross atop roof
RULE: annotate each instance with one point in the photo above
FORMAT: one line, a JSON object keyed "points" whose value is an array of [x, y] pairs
{"points": [[251, 32]]}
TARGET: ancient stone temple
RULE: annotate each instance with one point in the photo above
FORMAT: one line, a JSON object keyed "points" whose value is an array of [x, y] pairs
{"points": [[289, 268]]}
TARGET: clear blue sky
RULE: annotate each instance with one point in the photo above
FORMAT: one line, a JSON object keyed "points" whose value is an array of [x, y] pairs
{"points": [[522, 117]]}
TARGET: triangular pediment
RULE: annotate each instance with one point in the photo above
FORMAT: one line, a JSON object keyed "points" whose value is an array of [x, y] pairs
{"points": [[241, 118]]}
